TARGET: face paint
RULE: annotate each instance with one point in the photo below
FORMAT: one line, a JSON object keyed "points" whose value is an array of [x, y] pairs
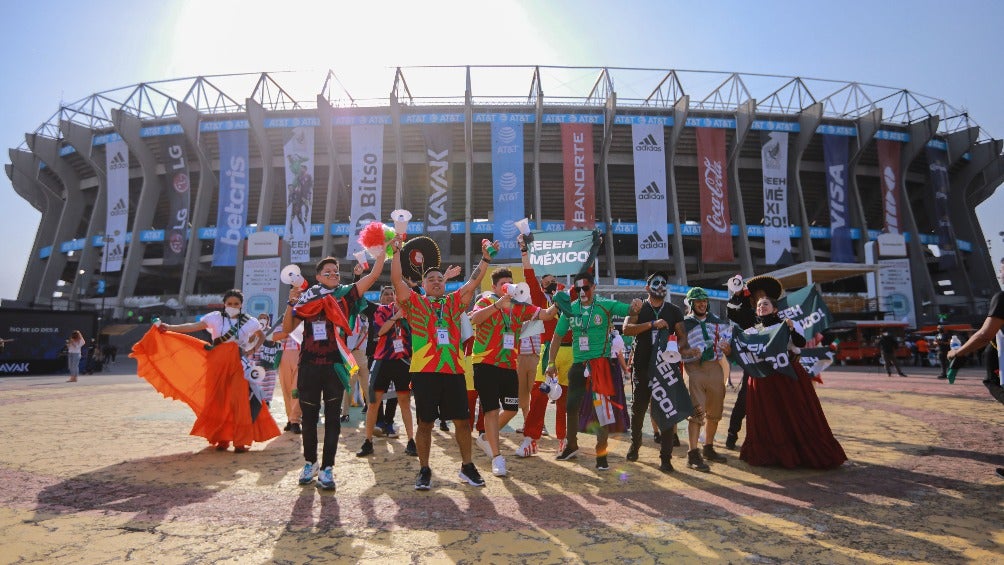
{"points": [[658, 287]]}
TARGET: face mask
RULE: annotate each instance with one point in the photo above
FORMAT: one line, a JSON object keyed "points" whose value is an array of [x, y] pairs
{"points": [[657, 288], [551, 288], [232, 312]]}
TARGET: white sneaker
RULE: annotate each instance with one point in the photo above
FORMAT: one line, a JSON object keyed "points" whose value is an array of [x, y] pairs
{"points": [[325, 479], [498, 466], [307, 474], [562, 444], [484, 445], [527, 448]]}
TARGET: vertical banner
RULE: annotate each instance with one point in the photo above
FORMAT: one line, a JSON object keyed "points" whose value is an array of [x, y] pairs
{"points": [[507, 185], [774, 160], [367, 180], [261, 286], [716, 223], [117, 216], [650, 190], [298, 155], [888, 157], [232, 211], [580, 185], [835, 156], [937, 164], [895, 290], [438, 144], [179, 199]]}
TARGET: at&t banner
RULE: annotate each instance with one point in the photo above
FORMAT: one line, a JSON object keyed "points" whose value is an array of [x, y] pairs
{"points": [[650, 190], [179, 198], [298, 156], [937, 165], [888, 156], [580, 186], [367, 180], [117, 216], [438, 144], [713, 182], [835, 157], [774, 159], [507, 184], [232, 212]]}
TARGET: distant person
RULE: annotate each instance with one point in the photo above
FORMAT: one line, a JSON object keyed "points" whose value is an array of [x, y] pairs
{"points": [[922, 350], [942, 344], [888, 344], [74, 347]]}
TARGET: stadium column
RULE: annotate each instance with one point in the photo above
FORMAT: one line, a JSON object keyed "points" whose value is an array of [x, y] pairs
{"points": [[537, 91], [680, 111], [745, 114], [920, 133], [80, 138], [395, 120], [867, 126], [958, 144], [968, 189], [469, 169], [335, 181], [256, 122], [49, 205], [808, 120], [189, 119], [27, 164], [609, 113]]}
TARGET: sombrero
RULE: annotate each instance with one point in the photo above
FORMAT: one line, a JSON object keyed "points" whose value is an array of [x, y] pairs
{"points": [[768, 284], [418, 255]]}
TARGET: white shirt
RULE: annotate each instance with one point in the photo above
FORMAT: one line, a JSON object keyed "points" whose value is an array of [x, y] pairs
{"points": [[217, 324], [74, 346], [617, 346]]}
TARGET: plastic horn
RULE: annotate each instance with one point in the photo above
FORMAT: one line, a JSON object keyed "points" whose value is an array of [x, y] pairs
{"points": [[524, 228], [401, 219], [735, 284], [672, 352], [291, 275], [361, 258], [555, 392]]}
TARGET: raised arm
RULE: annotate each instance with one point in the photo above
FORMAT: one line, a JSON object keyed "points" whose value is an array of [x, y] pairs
{"points": [[467, 291], [366, 282], [987, 331], [401, 288], [185, 328]]}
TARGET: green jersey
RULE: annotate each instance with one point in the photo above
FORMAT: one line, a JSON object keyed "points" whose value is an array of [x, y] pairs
{"points": [[590, 327]]}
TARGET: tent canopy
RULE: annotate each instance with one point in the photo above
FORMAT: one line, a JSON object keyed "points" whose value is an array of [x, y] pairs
{"points": [[804, 274]]}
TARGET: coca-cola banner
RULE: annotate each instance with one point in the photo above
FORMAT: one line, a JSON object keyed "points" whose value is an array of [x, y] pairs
{"points": [[888, 156], [713, 182], [580, 188], [298, 155], [937, 165], [178, 198], [835, 157], [367, 180], [117, 215], [650, 190], [438, 144], [774, 160]]}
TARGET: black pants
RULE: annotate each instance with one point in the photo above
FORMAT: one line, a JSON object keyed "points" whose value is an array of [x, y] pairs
{"points": [[890, 362], [739, 410], [316, 383], [943, 361], [642, 397]]}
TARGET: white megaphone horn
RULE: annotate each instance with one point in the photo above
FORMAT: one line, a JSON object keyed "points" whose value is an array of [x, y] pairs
{"points": [[524, 228], [672, 352], [401, 219], [735, 284], [361, 258], [290, 275]]}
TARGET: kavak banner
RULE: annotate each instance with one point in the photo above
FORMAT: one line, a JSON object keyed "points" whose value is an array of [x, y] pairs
{"points": [[367, 181], [580, 185], [670, 400], [438, 144], [774, 159], [888, 156], [179, 199], [298, 155], [937, 165], [650, 190], [563, 252], [507, 185], [713, 182], [117, 216], [763, 352], [806, 308], [232, 210], [835, 157]]}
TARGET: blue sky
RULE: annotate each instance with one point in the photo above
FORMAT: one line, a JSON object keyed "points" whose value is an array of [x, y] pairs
{"points": [[68, 50]]}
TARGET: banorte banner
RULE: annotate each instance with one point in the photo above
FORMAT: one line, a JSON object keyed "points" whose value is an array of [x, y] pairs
{"points": [[580, 185], [713, 182], [179, 198], [937, 166], [232, 211], [774, 160], [650, 190], [117, 217], [835, 157], [367, 181], [507, 185], [438, 144], [888, 157], [298, 156]]}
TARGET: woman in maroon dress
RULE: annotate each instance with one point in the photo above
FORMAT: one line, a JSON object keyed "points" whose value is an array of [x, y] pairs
{"points": [[785, 422]]}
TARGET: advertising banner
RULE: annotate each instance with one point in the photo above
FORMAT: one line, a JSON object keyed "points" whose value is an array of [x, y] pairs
{"points": [[438, 144], [35, 340], [650, 190], [835, 156], [670, 400], [232, 211], [716, 222], [888, 156], [563, 252], [895, 291], [937, 165], [580, 185], [261, 286], [774, 159], [117, 216], [298, 156], [367, 181], [762, 353], [507, 185], [179, 198]]}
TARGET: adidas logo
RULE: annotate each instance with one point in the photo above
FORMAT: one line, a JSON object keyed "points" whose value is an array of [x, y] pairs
{"points": [[651, 192], [118, 161], [653, 241], [648, 144], [121, 208]]}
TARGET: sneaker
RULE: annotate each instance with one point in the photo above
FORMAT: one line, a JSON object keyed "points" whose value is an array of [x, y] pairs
{"points": [[695, 461], [378, 430], [730, 442], [484, 445], [287, 427], [498, 466], [366, 449], [444, 426], [711, 455], [543, 431], [344, 418], [296, 429], [325, 480], [389, 431], [632, 454], [470, 474], [424, 480], [676, 439], [601, 463], [562, 444], [666, 466], [527, 448], [567, 453], [307, 474], [223, 446], [411, 450]]}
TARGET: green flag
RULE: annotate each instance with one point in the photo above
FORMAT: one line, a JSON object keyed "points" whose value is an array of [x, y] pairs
{"points": [[807, 308], [764, 352], [563, 252]]}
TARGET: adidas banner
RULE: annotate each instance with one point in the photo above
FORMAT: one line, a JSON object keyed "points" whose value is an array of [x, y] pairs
{"points": [[117, 217], [888, 156], [179, 198], [438, 144], [580, 185], [774, 160], [507, 185], [650, 190], [716, 222], [806, 308], [298, 156], [367, 180], [764, 352], [670, 400], [563, 252], [835, 158], [937, 166], [232, 211]]}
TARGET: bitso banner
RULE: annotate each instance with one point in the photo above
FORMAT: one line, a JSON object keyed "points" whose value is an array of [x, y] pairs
{"points": [[774, 159], [888, 156], [937, 165], [507, 185], [367, 181], [580, 186], [567, 252], [713, 182], [117, 216], [232, 211], [762, 353], [835, 157], [438, 144], [807, 308], [179, 198], [298, 156], [650, 190]]}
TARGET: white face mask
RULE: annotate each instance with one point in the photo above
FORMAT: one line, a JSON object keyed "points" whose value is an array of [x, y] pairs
{"points": [[232, 312]]}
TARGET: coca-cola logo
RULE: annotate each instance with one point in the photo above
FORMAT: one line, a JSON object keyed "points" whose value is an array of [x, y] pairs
{"points": [[891, 203], [714, 183]]}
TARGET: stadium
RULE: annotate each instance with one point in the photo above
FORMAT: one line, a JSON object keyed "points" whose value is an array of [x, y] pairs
{"points": [[700, 174]]}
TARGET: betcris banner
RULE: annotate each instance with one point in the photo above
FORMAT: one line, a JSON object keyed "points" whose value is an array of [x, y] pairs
{"points": [[367, 180], [179, 198], [774, 160], [507, 184], [117, 215], [937, 165], [835, 158], [231, 216], [298, 156], [650, 190]]}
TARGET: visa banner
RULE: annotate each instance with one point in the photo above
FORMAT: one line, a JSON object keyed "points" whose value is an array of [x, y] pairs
{"points": [[835, 157]]}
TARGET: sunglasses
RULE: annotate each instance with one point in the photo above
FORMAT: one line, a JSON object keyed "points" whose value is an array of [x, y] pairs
{"points": [[582, 287]]}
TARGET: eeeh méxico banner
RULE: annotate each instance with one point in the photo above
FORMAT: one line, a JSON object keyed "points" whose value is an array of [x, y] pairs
{"points": [[232, 211], [774, 159], [367, 180], [507, 185], [563, 252], [670, 400], [179, 197], [713, 182], [807, 308], [117, 216], [580, 185], [937, 165], [835, 156], [764, 352], [650, 190], [438, 144], [888, 156], [298, 156]]}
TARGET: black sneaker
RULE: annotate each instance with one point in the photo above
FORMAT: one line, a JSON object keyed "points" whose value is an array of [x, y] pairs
{"points": [[444, 426], [288, 426], [632, 454], [470, 474], [601, 463], [676, 439], [344, 418], [666, 466], [411, 449], [366, 449], [424, 480], [695, 461], [710, 454], [569, 453], [730, 442], [296, 429]]}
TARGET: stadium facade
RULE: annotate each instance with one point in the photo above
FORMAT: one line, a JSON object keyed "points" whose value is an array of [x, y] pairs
{"points": [[148, 192]]}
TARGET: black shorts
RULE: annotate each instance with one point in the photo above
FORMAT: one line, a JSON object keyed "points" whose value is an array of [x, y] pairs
{"points": [[496, 386], [386, 371], [440, 395]]}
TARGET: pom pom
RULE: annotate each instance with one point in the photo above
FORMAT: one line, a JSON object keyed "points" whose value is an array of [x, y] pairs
{"points": [[376, 234]]}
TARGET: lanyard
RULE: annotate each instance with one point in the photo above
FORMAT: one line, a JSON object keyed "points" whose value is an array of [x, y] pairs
{"points": [[440, 305]]}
